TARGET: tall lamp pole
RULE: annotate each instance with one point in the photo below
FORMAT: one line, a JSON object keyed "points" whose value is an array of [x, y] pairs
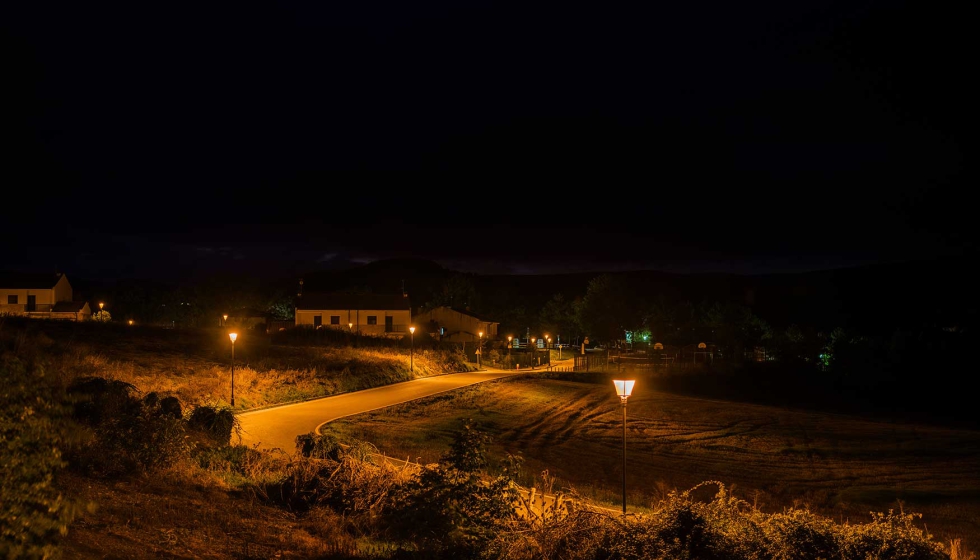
{"points": [[411, 359], [534, 350], [233, 337], [509, 344], [624, 387], [479, 353]]}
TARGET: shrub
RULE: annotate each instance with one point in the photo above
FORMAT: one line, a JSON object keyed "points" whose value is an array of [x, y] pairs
{"points": [[451, 509], [129, 434], [216, 424], [34, 429]]}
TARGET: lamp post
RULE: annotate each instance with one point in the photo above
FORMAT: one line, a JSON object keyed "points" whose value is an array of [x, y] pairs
{"points": [[509, 344], [224, 319], [233, 337], [534, 350], [624, 388], [411, 359], [130, 322], [479, 353]]}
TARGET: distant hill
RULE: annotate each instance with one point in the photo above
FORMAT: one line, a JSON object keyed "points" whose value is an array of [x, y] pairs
{"points": [[871, 299], [874, 298]]}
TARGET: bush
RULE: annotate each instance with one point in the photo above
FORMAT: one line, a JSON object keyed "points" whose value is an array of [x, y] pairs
{"points": [[34, 430], [129, 434], [216, 424], [452, 510]]}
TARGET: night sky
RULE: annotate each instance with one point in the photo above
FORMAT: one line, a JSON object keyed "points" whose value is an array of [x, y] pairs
{"points": [[169, 139]]}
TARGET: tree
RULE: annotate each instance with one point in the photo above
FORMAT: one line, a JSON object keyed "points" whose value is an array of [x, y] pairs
{"points": [[459, 292], [101, 316], [558, 317], [610, 307]]}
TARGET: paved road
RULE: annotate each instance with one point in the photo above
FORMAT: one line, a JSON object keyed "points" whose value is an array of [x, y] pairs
{"points": [[278, 427]]}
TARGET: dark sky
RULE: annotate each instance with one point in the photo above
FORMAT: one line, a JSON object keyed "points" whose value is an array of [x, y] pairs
{"points": [[171, 139]]}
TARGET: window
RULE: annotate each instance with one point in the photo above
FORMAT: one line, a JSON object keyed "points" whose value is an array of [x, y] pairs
{"points": [[335, 319], [12, 300], [372, 320]]}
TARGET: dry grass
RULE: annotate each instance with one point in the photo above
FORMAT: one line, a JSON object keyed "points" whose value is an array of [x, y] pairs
{"points": [[195, 365], [774, 458], [839, 466]]}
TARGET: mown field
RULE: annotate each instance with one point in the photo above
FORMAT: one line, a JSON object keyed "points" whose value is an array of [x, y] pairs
{"points": [[570, 435]]}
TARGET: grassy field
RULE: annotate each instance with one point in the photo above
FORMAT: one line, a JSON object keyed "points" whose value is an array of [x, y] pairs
{"points": [[194, 365], [570, 435]]}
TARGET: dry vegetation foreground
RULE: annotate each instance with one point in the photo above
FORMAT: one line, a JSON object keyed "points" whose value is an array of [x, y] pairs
{"points": [[155, 485], [839, 466]]}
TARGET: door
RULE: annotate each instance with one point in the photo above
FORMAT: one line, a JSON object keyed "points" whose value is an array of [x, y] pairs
{"points": [[317, 321], [32, 303], [389, 324]]}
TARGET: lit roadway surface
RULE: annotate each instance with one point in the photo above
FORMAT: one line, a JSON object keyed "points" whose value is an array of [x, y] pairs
{"points": [[278, 427]]}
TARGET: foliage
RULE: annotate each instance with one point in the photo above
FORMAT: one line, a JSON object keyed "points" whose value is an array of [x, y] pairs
{"points": [[720, 528], [607, 309], [128, 434], [458, 292], [559, 316], [282, 306], [34, 431], [101, 316], [452, 508], [216, 423]]}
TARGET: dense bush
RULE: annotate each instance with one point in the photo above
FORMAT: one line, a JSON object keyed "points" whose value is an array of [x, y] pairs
{"points": [[215, 423], [34, 431], [453, 509], [721, 528], [128, 434]]}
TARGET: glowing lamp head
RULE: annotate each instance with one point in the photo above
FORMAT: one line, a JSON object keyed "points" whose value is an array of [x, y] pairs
{"points": [[481, 334], [411, 330], [101, 305], [350, 325], [509, 338], [130, 321], [233, 337], [225, 316], [624, 388]]}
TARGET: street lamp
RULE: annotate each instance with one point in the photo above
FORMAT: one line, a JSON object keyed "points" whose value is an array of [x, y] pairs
{"points": [[224, 319], [624, 388], [534, 351], [130, 322], [233, 337], [509, 338], [411, 360], [479, 353], [101, 305]]}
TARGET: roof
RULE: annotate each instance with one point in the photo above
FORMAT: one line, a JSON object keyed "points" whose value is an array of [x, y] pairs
{"points": [[331, 301], [68, 307], [29, 280], [462, 312], [248, 312]]}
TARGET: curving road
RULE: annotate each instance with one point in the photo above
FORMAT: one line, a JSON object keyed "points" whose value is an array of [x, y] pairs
{"points": [[277, 427]]}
